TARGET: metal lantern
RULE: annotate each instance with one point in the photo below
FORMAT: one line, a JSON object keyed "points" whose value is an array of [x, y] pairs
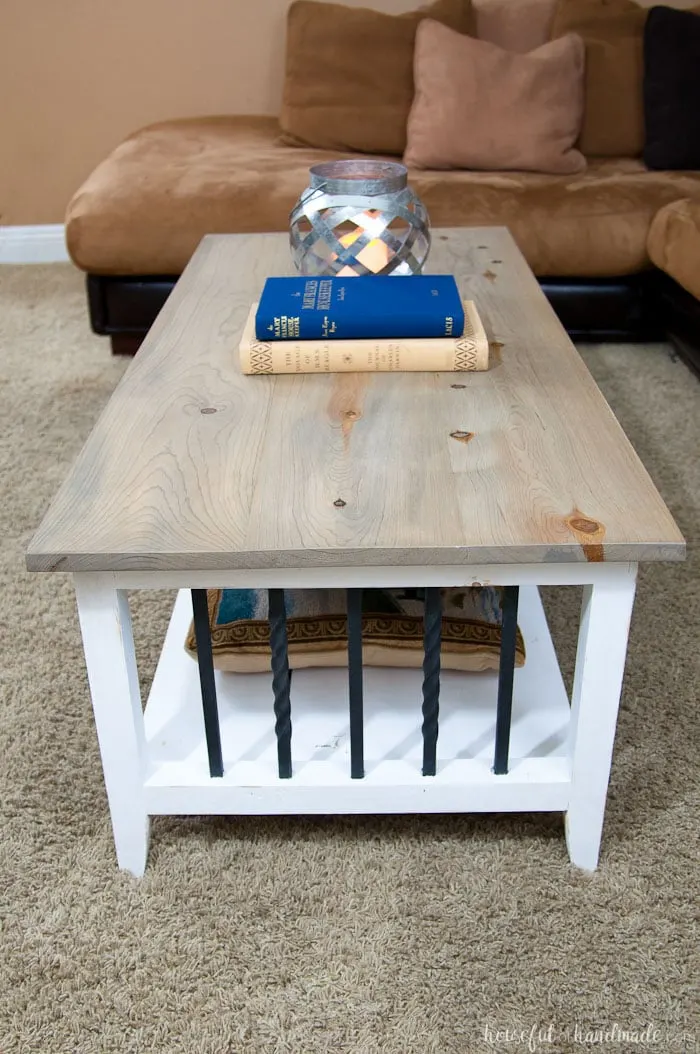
{"points": [[359, 218]]}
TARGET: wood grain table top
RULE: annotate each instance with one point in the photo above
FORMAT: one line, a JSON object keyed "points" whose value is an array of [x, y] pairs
{"points": [[193, 466]]}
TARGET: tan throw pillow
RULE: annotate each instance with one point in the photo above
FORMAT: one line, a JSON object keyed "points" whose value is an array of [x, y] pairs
{"points": [[516, 25], [349, 73], [613, 32], [478, 106]]}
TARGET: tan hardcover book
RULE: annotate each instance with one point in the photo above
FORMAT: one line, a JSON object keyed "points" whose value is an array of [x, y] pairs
{"points": [[426, 355]]}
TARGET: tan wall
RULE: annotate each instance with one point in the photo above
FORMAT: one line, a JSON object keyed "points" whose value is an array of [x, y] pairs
{"points": [[76, 76]]}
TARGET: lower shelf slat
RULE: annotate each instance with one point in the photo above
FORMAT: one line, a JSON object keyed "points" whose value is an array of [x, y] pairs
{"points": [[533, 784]]}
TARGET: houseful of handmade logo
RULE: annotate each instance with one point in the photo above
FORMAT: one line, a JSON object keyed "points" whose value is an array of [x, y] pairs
{"points": [[542, 1036]]}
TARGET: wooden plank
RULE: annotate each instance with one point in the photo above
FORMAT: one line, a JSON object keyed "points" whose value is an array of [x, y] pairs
{"points": [[533, 785], [193, 466], [368, 575]]}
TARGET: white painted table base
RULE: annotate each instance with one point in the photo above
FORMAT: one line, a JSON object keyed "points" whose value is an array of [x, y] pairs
{"points": [[156, 763]]}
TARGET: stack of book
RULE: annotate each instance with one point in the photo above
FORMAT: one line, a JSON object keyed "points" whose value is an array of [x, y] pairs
{"points": [[378, 323]]}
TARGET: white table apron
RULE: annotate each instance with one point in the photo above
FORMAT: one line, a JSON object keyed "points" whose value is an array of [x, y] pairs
{"points": [[156, 762]]}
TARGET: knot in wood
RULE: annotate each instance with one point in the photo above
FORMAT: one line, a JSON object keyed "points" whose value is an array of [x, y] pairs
{"points": [[460, 436], [339, 503], [208, 410], [579, 523], [458, 386]]}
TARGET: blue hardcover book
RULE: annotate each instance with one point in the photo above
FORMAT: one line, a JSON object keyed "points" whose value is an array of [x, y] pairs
{"points": [[365, 308]]}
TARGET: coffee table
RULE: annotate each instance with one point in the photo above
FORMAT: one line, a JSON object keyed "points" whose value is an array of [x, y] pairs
{"points": [[196, 477]]}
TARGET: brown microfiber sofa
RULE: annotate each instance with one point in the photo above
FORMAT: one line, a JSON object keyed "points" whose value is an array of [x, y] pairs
{"points": [[616, 247]]}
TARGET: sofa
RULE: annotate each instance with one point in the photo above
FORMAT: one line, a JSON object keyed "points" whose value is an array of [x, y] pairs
{"points": [[616, 247]]}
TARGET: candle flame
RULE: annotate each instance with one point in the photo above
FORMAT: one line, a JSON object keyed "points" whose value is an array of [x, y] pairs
{"points": [[375, 255]]}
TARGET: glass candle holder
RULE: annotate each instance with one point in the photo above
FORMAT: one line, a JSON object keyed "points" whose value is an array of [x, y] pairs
{"points": [[359, 217]]}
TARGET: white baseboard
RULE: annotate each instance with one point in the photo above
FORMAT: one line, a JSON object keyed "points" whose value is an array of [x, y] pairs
{"points": [[31, 245]]}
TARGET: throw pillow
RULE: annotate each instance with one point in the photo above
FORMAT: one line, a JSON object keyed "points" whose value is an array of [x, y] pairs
{"points": [[672, 89], [392, 629], [349, 73], [479, 106], [516, 25], [612, 30]]}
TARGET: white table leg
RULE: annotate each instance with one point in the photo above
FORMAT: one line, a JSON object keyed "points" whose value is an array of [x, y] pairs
{"points": [[600, 664], [105, 622]]}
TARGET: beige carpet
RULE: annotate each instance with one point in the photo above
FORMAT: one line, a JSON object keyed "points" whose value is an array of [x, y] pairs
{"points": [[404, 935]]}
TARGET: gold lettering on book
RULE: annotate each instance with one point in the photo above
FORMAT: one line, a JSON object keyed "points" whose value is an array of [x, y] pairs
{"points": [[325, 290], [309, 301], [286, 327]]}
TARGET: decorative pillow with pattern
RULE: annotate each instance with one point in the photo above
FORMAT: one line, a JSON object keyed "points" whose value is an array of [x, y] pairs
{"points": [[392, 628]]}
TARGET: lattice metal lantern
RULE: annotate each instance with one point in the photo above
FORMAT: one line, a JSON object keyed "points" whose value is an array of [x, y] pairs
{"points": [[359, 217]]}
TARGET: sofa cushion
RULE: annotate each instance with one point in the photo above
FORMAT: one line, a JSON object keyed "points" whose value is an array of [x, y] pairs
{"points": [[613, 120], [516, 26], [672, 88], [528, 120], [674, 243], [146, 207], [349, 73]]}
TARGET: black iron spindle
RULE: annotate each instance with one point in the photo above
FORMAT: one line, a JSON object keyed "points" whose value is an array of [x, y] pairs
{"points": [[205, 662], [281, 680], [432, 638], [506, 671], [354, 606]]}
